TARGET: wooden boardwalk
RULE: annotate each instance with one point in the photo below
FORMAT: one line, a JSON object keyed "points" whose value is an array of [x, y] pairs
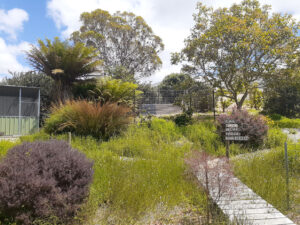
{"points": [[235, 199]]}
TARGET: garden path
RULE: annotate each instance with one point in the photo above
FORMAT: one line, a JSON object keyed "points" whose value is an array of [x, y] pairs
{"points": [[235, 199]]}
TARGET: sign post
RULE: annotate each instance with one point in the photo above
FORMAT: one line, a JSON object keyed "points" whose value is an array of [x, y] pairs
{"points": [[233, 133]]}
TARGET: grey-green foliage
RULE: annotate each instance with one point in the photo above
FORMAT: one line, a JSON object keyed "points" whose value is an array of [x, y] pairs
{"points": [[128, 46]]}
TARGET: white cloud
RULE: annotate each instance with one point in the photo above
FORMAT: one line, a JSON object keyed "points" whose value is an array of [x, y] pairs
{"points": [[12, 21], [170, 19], [66, 13], [8, 57]]}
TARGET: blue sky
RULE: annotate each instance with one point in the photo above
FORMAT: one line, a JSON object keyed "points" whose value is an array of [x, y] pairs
{"points": [[22, 22], [39, 24]]}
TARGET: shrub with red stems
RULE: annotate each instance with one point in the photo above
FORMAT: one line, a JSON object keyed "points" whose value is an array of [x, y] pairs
{"points": [[253, 126]]}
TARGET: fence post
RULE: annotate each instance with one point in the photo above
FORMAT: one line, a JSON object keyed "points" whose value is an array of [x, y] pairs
{"points": [[39, 108], [227, 149], [214, 110], [134, 106], [287, 175], [20, 112], [70, 138]]}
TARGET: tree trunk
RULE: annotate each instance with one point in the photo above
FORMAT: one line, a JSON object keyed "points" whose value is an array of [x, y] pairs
{"points": [[239, 104], [62, 92]]}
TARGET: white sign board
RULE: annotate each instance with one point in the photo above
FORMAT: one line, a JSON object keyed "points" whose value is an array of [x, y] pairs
{"points": [[233, 132]]}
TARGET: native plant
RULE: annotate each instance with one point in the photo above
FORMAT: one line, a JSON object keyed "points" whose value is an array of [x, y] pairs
{"points": [[43, 181], [88, 119], [255, 97], [63, 62], [128, 46], [234, 48], [115, 90], [253, 126]]}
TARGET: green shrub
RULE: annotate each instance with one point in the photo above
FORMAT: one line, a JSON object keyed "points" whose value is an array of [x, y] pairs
{"points": [[88, 119], [115, 90], [5, 146], [182, 119], [287, 123], [39, 136], [43, 181], [275, 138], [275, 116]]}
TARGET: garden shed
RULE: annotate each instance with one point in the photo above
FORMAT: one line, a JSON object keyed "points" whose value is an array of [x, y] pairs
{"points": [[19, 110]]}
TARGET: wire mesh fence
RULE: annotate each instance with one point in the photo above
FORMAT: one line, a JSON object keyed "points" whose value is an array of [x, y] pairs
{"points": [[175, 101], [19, 110]]}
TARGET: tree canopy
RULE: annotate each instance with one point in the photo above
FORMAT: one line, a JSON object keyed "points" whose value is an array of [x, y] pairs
{"points": [[63, 62], [233, 48], [177, 81], [126, 43]]}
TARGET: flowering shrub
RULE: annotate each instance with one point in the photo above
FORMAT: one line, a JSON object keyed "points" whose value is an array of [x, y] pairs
{"points": [[253, 126], [43, 182]]}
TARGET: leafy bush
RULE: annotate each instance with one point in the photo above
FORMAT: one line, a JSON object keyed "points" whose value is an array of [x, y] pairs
{"points": [[275, 138], [253, 126], [287, 123], [43, 181], [85, 118], [183, 119], [114, 90], [275, 116], [283, 98], [5, 146]]}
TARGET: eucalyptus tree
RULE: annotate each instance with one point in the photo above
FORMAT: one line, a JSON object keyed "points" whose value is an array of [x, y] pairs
{"points": [[234, 48], [64, 62], [128, 46]]}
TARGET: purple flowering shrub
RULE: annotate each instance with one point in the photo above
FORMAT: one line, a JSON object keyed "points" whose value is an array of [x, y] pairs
{"points": [[253, 126], [43, 181]]}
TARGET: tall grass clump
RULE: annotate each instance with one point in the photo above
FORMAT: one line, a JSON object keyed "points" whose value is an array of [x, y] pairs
{"points": [[265, 174], [88, 119], [275, 138], [137, 173], [147, 142], [166, 129], [5, 146], [204, 136]]}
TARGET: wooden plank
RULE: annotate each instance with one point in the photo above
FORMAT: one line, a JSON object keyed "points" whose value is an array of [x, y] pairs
{"points": [[237, 201]]}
